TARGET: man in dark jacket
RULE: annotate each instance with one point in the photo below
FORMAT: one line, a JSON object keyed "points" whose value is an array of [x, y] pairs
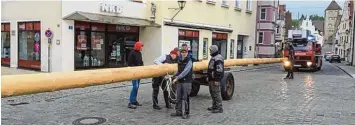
{"points": [[185, 47], [291, 58], [183, 84], [215, 75], [135, 59], [159, 81]]}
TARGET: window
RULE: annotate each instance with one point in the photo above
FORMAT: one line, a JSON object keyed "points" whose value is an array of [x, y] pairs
{"points": [[278, 30], [29, 46], [220, 40], [248, 5], [224, 3], [237, 4], [263, 14], [261, 37], [211, 1], [191, 38], [5, 43], [231, 52], [205, 48]]}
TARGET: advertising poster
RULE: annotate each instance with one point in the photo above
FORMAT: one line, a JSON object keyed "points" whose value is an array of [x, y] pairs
{"points": [[82, 43], [118, 52], [186, 42], [96, 42]]}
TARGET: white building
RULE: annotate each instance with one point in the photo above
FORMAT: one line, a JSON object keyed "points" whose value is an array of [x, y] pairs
{"points": [[344, 32], [308, 25], [102, 33]]}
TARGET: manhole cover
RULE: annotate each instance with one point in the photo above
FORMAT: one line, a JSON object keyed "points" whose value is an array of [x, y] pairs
{"points": [[89, 121]]}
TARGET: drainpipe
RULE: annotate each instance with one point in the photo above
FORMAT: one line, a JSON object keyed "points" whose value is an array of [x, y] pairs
{"points": [[256, 30], [353, 39]]}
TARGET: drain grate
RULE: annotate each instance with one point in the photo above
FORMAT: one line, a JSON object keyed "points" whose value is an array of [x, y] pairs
{"points": [[21, 103], [89, 121]]}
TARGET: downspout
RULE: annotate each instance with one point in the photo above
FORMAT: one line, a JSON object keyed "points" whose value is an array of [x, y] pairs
{"points": [[256, 30], [353, 40]]}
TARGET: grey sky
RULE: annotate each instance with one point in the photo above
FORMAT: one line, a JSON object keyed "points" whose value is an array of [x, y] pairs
{"points": [[308, 7]]}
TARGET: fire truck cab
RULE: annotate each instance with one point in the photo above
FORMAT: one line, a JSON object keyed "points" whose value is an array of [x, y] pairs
{"points": [[307, 50]]}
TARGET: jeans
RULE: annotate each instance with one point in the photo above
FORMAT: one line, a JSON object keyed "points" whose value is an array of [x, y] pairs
{"points": [[134, 91]]}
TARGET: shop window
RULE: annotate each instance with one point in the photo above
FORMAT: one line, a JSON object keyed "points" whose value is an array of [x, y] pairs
{"points": [[29, 46], [220, 39], [103, 45], [5, 44], [205, 48], [191, 38], [231, 49]]}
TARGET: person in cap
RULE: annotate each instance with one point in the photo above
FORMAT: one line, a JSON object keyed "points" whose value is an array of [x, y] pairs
{"points": [[215, 75], [183, 80], [185, 47], [159, 81], [135, 59]]}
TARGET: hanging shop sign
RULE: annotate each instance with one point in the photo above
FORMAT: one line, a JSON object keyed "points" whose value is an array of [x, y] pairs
{"points": [[109, 8]]}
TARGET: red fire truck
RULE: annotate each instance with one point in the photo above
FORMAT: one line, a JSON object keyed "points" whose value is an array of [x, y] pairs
{"points": [[308, 53]]}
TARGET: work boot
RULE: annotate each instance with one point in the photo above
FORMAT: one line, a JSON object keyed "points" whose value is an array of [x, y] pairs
{"points": [[156, 107], [137, 104], [175, 114], [211, 108], [291, 77], [168, 106], [185, 116], [217, 111], [132, 106]]}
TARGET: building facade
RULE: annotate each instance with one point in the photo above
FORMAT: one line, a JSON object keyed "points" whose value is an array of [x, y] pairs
{"points": [[280, 35], [102, 33], [266, 28], [344, 32], [331, 15]]}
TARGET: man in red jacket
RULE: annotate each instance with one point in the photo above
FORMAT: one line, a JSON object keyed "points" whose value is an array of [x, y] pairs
{"points": [[135, 59]]}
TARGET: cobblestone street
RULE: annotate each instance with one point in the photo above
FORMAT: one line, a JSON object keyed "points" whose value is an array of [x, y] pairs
{"points": [[261, 97]]}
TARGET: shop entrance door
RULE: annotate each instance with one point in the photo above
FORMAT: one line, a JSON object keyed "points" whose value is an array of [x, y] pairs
{"points": [[240, 47], [119, 47], [222, 47]]}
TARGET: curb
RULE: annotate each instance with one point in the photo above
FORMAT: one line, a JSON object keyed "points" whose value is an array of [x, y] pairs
{"points": [[351, 75]]}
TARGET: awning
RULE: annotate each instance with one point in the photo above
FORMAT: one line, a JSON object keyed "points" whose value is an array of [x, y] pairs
{"points": [[197, 26], [100, 18]]}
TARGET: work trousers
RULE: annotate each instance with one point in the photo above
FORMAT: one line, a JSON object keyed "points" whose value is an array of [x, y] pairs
{"points": [[160, 82], [134, 91], [183, 97], [215, 92]]}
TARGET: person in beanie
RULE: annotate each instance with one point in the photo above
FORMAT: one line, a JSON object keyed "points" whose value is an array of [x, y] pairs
{"points": [[159, 81], [135, 59], [183, 81], [215, 75]]}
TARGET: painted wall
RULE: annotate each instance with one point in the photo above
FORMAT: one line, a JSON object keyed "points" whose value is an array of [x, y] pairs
{"points": [[49, 13], [212, 14]]}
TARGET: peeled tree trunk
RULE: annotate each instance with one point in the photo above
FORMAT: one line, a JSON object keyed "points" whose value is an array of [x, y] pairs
{"points": [[14, 85]]}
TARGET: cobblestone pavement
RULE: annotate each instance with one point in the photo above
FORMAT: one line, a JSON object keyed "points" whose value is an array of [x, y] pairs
{"points": [[261, 97]]}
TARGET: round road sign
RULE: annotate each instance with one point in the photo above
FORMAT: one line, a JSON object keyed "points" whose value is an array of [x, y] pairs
{"points": [[49, 33]]}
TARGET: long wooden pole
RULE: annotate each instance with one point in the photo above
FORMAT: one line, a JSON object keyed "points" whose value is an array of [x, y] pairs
{"points": [[14, 85]]}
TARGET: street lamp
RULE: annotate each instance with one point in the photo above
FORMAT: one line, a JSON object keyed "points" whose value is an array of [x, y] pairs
{"points": [[181, 4]]}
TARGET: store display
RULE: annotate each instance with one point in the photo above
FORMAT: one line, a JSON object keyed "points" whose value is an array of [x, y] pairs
{"points": [[86, 61]]}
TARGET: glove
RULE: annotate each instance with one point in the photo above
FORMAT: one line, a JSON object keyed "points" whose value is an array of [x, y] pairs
{"points": [[174, 81]]}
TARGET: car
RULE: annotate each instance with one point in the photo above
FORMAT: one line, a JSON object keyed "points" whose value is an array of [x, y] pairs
{"points": [[335, 58], [327, 57]]}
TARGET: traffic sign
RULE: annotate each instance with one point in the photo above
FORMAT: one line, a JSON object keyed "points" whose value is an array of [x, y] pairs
{"points": [[49, 33]]}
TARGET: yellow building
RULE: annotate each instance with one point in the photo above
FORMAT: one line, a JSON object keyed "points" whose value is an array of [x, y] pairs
{"points": [[201, 23]]}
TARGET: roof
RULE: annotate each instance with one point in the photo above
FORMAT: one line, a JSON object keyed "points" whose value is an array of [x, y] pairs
{"points": [[333, 6], [319, 25]]}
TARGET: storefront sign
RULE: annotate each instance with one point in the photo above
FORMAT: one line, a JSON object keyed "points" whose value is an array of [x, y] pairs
{"points": [[189, 33], [108, 8], [219, 36]]}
